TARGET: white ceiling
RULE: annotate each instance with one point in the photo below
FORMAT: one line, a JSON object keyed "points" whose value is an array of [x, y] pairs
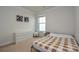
{"points": [[38, 8]]}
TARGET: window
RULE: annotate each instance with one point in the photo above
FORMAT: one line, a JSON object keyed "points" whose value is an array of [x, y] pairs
{"points": [[42, 21]]}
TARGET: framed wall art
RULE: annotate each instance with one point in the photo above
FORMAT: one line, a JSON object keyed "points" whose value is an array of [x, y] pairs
{"points": [[26, 19], [19, 18]]}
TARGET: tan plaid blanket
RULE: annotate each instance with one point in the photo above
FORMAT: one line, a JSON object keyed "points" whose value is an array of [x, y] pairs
{"points": [[57, 44]]}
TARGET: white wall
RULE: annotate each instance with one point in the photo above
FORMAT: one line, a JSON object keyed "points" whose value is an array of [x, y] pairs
{"points": [[77, 23], [8, 23], [60, 19]]}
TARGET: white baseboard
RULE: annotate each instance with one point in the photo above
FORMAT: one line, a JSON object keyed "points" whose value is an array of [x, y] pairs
{"points": [[23, 39], [6, 43]]}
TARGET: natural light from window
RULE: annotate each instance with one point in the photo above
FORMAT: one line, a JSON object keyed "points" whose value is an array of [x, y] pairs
{"points": [[42, 22]]}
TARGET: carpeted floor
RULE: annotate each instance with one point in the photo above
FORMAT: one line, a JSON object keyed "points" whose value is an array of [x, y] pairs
{"points": [[22, 46]]}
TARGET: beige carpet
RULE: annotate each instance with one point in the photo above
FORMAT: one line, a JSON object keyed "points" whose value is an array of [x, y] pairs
{"points": [[22, 46]]}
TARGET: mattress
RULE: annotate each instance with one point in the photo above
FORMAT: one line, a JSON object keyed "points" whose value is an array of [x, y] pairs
{"points": [[56, 43]]}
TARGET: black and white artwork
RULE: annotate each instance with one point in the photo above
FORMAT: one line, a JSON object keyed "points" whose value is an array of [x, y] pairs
{"points": [[26, 19], [19, 18]]}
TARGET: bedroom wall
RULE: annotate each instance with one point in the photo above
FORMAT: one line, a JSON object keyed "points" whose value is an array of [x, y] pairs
{"points": [[77, 23], [9, 25], [59, 19]]}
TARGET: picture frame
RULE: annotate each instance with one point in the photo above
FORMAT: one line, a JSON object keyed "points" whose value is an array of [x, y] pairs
{"points": [[19, 18], [26, 19]]}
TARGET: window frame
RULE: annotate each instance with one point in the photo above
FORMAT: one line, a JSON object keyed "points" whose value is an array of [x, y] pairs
{"points": [[41, 23]]}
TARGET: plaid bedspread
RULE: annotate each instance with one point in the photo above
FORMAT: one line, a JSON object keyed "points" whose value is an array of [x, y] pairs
{"points": [[57, 44]]}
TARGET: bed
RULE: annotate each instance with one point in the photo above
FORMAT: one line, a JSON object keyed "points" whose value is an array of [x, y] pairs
{"points": [[56, 43]]}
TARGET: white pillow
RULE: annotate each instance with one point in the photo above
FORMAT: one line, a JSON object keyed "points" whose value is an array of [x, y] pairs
{"points": [[68, 36], [60, 35]]}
